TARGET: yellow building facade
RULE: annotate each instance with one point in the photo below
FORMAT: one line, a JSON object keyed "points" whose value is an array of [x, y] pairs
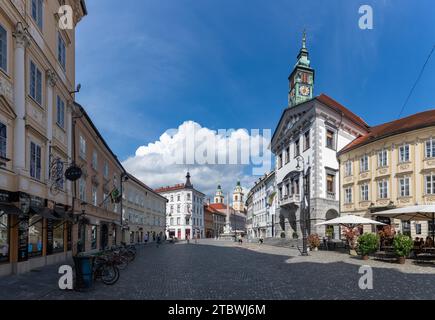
{"points": [[391, 167], [37, 84]]}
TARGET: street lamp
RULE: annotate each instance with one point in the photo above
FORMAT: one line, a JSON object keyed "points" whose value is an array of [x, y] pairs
{"points": [[304, 208]]}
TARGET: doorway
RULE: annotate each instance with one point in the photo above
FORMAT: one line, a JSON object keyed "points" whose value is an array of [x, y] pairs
{"points": [[104, 240]]}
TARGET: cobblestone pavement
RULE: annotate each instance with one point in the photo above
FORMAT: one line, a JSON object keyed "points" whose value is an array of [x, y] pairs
{"points": [[214, 270]]}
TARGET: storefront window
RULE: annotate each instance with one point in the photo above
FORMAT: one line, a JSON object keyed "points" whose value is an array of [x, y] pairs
{"points": [[58, 237], [94, 238], [35, 236], [4, 238]]}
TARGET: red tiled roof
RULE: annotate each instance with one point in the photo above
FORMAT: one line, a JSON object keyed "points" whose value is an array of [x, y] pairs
{"points": [[209, 208], [413, 122], [342, 109], [172, 188], [218, 206]]}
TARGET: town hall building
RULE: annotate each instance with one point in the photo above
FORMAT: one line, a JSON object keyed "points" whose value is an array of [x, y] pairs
{"points": [[305, 143]]}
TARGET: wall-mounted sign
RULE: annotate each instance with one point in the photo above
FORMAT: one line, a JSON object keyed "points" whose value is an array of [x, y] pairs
{"points": [[73, 173]]}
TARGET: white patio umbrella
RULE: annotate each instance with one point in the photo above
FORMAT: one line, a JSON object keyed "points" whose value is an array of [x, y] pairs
{"points": [[350, 221], [414, 213]]}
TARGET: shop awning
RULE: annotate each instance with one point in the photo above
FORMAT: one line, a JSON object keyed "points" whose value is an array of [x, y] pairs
{"points": [[45, 212], [6, 208]]}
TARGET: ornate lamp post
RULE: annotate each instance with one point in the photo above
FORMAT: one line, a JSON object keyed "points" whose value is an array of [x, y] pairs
{"points": [[305, 206]]}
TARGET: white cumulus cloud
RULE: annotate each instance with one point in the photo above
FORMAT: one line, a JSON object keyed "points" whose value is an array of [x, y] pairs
{"points": [[212, 157]]}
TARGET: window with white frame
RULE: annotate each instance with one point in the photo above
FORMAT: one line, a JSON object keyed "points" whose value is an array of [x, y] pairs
{"points": [[348, 168], [348, 195], [178, 221], [430, 184], [82, 189], [95, 159], [37, 12], [382, 158], [364, 192], [3, 49], [383, 189], [94, 196], [404, 186], [178, 208], [60, 114], [106, 169], [61, 51], [307, 143], [35, 161], [82, 148], [35, 83], [297, 147], [430, 148], [404, 153], [364, 163], [330, 139], [3, 140]]}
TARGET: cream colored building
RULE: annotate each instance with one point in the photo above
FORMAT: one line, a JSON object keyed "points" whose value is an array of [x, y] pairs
{"points": [[37, 81], [392, 166], [144, 212]]}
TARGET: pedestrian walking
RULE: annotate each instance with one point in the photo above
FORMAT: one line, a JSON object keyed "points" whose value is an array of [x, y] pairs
{"points": [[188, 239], [158, 241]]}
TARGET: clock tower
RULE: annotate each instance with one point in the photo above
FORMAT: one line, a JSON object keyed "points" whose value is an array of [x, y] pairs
{"points": [[301, 80]]}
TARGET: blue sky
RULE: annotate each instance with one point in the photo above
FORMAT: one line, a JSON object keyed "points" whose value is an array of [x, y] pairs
{"points": [[149, 65]]}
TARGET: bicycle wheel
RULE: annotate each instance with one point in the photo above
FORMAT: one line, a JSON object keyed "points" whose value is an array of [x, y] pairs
{"points": [[109, 274], [122, 263]]}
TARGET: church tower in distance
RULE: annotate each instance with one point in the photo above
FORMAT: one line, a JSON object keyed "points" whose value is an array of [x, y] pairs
{"points": [[219, 196], [238, 203]]}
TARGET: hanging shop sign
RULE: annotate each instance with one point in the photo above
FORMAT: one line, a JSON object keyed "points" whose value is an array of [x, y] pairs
{"points": [[73, 173]]}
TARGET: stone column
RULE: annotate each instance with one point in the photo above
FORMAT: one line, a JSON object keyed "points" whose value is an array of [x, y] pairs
{"points": [[21, 43], [51, 82]]}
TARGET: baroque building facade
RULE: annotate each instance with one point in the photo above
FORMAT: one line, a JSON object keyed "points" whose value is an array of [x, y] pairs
{"points": [[144, 212], [305, 143], [37, 84], [184, 210], [260, 205], [392, 166]]}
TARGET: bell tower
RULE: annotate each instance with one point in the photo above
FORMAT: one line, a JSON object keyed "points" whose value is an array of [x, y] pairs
{"points": [[238, 203], [219, 196], [301, 80]]}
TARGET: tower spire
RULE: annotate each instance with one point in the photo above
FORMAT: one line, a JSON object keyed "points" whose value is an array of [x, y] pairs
{"points": [[301, 80]]}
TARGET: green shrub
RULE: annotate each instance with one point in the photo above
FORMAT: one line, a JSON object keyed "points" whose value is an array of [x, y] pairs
{"points": [[295, 235], [282, 235], [402, 245], [368, 243]]}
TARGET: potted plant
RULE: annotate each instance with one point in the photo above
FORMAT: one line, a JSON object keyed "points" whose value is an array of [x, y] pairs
{"points": [[282, 235], [368, 243], [295, 235], [402, 247], [314, 241]]}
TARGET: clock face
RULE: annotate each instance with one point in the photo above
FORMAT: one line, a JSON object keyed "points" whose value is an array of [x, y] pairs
{"points": [[304, 91]]}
